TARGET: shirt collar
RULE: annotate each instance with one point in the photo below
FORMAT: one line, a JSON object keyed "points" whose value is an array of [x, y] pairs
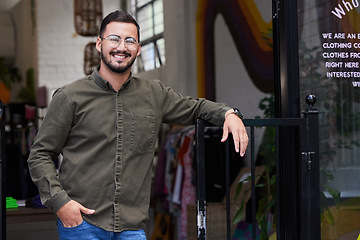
{"points": [[104, 84]]}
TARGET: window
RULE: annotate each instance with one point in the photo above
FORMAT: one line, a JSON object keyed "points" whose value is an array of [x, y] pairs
{"points": [[149, 14]]}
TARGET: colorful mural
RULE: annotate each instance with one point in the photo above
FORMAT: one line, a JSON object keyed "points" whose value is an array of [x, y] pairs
{"points": [[252, 37]]}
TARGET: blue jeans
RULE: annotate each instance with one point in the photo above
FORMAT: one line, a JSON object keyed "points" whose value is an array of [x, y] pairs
{"points": [[86, 231]]}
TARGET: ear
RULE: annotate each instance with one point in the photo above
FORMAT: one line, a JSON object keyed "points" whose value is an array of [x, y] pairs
{"points": [[98, 44], [139, 50]]}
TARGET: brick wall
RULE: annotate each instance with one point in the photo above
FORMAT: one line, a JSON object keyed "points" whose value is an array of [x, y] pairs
{"points": [[60, 48]]}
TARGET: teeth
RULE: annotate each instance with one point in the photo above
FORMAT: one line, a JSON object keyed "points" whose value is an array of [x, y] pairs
{"points": [[119, 56]]}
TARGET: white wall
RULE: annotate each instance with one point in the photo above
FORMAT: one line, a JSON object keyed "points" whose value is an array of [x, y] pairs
{"points": [[179, 20], [179, 72], [60, 49]]}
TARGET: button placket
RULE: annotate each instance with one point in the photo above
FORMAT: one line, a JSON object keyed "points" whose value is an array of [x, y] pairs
{"points": [[118, 162]]}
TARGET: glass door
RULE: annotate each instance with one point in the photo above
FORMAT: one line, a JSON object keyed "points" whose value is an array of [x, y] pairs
{"points": [[329, 65]]}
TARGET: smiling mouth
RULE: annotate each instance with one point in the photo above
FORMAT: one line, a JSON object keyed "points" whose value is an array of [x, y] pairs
{"points": [[119, 56]]}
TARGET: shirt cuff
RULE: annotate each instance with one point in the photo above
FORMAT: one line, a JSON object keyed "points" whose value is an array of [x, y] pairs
{"points": [[228, 112], [224, 111], [58, 201]]}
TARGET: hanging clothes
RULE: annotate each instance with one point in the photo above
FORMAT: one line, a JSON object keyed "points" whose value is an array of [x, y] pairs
{"points": [[174, 179]]}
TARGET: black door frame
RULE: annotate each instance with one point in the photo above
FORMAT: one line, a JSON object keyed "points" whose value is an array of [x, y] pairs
{"points": [[294, 194], [287, 103]]}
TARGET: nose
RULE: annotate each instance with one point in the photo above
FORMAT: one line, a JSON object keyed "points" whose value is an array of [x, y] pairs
{"points": [[122, 44]]}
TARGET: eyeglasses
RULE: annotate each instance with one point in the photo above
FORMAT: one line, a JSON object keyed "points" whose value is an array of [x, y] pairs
{"points": [[114, 42]]}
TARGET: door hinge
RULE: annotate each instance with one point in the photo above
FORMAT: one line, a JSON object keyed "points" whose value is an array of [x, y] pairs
{"points": [[307, 160]]}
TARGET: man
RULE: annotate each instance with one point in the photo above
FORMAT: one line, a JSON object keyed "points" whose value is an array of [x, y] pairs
{"points": [[105, 125]]}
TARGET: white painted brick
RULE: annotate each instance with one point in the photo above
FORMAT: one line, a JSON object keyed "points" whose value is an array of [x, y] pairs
{"points": [[60, 49]]}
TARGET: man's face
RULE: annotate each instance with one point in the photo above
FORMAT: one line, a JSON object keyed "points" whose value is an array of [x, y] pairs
{"points": [[118, 59]]}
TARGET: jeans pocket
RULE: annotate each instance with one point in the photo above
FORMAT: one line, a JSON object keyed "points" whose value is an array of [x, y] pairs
{"points": [[61, 225], [84, 231]]}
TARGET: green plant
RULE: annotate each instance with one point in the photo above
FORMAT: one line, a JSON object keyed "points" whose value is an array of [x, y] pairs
{"points": [[27, 93], [8, 75], [325, 211], [266, 204], [267, 182]]}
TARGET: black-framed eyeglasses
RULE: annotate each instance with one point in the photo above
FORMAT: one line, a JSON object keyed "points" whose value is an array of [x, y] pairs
{"points": [[115, 41]]}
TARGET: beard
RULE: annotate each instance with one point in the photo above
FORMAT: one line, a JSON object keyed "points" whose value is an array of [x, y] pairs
{"points": [[117, 68]]}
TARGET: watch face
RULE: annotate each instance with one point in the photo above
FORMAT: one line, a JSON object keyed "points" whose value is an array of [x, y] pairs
{"points": [[238, 113]]}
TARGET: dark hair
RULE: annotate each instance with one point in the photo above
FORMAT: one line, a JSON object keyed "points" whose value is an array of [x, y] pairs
{"points": [[118, 16]]}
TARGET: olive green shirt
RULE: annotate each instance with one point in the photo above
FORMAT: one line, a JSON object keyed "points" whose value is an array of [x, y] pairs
{"points": [[107, 140]]}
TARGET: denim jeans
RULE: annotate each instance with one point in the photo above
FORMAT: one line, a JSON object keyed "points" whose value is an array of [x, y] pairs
{"points": [[86, 231]]}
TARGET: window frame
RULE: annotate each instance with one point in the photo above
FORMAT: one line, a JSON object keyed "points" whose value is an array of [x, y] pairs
{"points": [[158, 60]]}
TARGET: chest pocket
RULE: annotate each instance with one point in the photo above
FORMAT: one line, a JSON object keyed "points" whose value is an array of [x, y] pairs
{"points": [[142, 136]]}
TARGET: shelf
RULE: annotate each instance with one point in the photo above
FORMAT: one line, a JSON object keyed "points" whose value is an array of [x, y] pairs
{"points": [[26, 215]]}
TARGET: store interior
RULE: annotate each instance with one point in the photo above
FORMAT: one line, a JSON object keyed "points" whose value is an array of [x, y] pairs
{"points": [[206, 50]]}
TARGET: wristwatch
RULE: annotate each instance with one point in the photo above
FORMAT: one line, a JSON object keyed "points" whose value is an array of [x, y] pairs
{"points": [[238, 113]]}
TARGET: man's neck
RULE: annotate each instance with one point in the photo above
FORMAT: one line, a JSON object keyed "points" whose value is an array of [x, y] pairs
{"points": [[115, 79]]}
